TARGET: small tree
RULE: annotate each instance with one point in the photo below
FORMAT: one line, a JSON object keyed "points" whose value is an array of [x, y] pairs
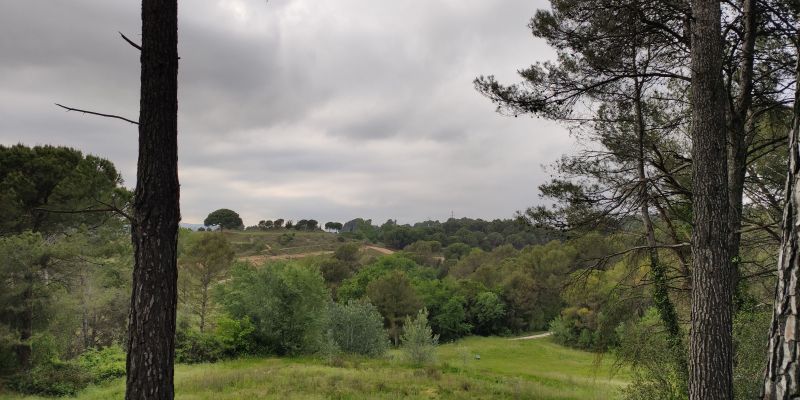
{"points": [[278, 224], [225, 218], [206, 261], [419, 342], [395, 298], [357, 327]]}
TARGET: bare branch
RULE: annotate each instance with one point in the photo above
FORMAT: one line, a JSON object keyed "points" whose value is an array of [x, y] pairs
{"points": [[130, 42], [97, 113]]}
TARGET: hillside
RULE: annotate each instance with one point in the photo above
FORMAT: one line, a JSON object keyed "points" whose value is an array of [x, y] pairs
{"points": [[525, 369], [259, 246]]}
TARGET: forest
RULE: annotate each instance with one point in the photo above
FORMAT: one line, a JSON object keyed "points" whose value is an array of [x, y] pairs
{"points": [[660, 261]]}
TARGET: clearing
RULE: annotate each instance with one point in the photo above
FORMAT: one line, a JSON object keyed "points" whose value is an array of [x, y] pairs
{"points": [[524, 369]]}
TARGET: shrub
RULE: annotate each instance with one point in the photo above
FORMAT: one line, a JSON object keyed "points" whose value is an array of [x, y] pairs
{"points": [[357, 328], [286, 303], [418, 341], [194, 347], [53, 378], [104, 364], [285, 238]]}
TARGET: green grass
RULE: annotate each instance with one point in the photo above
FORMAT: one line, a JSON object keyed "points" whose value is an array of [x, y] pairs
{"points": [[249, 243], [531, 369]]}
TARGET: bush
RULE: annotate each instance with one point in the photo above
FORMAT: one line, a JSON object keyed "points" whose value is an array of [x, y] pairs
{"points": [[194, 347], [418, 341], [357, 328], [655, 372], [230, 337], [104, 364], [285, 238], [53, 378], [286, 303]]}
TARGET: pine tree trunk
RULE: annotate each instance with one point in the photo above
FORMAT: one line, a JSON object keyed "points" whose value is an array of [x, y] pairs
{"points": [[711, 358], [151, 329], [782, 378]]}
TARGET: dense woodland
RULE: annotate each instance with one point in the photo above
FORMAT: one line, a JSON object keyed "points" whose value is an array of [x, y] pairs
{"points": [[657, 244]]}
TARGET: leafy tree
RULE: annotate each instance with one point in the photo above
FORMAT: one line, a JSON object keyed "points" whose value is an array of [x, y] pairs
{"points": [[357, 327], [419, 342], [451, 320], [207, 259], [278, 223], [225, 219], [286, 303], [456, 250], [396, 299], [51, 190], [265, 225], [333, 226], [487, 313]]}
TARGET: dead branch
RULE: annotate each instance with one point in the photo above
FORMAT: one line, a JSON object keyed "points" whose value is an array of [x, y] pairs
{"points": [[98, 114]]}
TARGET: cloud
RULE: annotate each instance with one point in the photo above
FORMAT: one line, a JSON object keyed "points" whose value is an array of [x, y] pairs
{"points": [[324, 109]]}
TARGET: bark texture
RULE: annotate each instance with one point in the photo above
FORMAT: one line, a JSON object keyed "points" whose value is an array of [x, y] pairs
{"points": [[711, 359], [151, 329], [783, 372]]}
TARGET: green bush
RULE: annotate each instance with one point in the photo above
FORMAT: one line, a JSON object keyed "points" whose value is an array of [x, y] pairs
{"points": [[418, 341], [104, 364], [194, 347], [230, 338], [285, 238], [53, 378], [357, 328], [286, 302]]}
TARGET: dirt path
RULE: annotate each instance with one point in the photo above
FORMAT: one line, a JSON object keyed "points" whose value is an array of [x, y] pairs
{"points": [[539, 336], [381, 250], [258, 259]]}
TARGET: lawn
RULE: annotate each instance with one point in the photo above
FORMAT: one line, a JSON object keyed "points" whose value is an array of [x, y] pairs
{"points": [[527, 369]]}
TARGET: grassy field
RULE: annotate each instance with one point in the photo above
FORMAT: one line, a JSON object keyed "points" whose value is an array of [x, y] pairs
{"points": [[527, 369], [269, 243]]}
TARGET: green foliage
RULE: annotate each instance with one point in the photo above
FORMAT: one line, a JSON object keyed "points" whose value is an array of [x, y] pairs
{"points": [[286, 303], [487, 313], [750, 328], [456, 251], [207, 259], [225, 219], [54, 378], [356, 286], [104, 364], [60, 178], [656, 375], [450, 321], [395, 298], [229, 338], [286, 238], [418, 341], [357, 327]]}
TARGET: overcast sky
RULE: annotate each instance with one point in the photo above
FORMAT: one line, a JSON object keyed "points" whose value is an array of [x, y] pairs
{"points": [[323, 109]]}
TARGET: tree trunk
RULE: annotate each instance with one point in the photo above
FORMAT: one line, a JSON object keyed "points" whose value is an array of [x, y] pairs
{"points": [[711, 358], [782, 377], [739, 142], [151, 329]]}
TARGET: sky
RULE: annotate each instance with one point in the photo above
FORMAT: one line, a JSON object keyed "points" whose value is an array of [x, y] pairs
{"points": [[297, 109]]}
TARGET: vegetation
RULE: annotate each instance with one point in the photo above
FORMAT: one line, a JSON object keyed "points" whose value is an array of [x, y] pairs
{"points": [[225, 219], [535, 369]]}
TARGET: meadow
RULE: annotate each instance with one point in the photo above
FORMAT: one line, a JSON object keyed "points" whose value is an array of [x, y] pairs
{"points": [[471, 368]]}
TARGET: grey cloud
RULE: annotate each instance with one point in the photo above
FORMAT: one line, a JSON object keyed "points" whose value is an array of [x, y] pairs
{"points": [[325, 109]]}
